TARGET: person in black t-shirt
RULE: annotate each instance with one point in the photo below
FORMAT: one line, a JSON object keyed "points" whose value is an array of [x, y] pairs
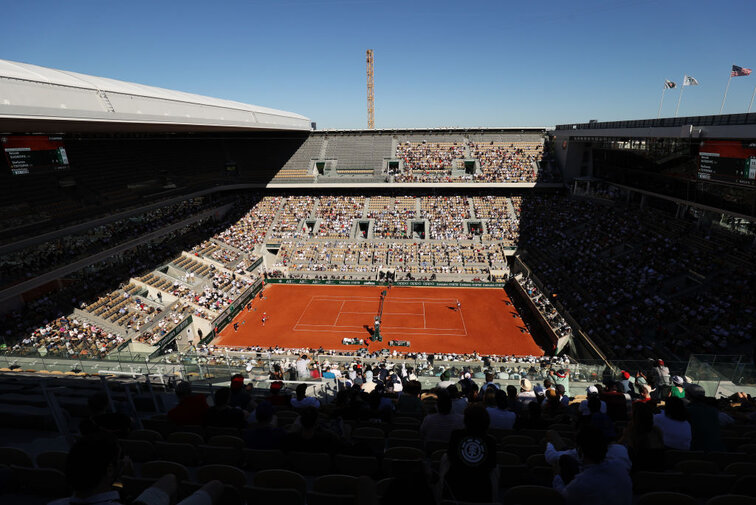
{"points": [[472, 471]]}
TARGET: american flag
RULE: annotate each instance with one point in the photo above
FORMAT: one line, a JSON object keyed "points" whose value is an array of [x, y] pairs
{"points": [[739, 71]]}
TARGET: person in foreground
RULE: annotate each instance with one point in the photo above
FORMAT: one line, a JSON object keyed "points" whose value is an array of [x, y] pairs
{"points": [[95, 462], [594, 479]]}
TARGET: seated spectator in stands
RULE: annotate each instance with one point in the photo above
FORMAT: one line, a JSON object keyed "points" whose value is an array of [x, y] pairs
{"points": [[264, 434], [644, 395], [439, 426], [532, 418], [276, 398], [644, 441], [674, 425], [564, 398], [409, 401], [240, 397], [459, 403], [191, 408], [311, 437], [513, 401], [625, 384], [222, 415], [379, 407], [583, 407], [469, 472], [489, 382], [554, 410], [101, 420], [703, 416], [526, 392], [445, 379], [616, 402], [678, 387], [598, 419], [496, 404], [276, 374], [600, 480], [302, 400]]}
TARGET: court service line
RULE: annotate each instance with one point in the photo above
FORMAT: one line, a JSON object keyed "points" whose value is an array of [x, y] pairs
{"points": [[425, 323], [388, 300], [355, 331], [338, 314], [304, 311], [382, 326]]}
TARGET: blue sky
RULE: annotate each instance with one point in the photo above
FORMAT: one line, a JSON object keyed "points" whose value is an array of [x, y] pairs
{"points": [[437, 63]]}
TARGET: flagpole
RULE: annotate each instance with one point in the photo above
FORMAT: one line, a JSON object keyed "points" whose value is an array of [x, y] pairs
{"points": [[664, 90], [752, 95], [680, 98], [725, 95]]}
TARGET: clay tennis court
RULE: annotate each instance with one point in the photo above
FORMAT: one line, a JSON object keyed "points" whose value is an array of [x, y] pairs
{"points": [[314, 316]]}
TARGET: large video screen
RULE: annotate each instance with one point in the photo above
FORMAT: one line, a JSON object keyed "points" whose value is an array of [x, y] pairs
{"points": [[29, 154], [732, 161]]}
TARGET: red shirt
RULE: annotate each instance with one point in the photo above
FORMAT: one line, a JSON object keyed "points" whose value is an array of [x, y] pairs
{"points": [[190, 410]]}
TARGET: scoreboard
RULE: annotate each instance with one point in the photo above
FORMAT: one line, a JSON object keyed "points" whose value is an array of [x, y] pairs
{"points": [[730, 161], [29, 154]]}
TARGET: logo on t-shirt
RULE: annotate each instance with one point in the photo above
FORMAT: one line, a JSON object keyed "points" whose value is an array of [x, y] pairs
{"points": [[472, 451]]}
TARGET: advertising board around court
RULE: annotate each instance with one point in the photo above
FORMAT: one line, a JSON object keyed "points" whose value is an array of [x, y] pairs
{"points": [[350, 282]]}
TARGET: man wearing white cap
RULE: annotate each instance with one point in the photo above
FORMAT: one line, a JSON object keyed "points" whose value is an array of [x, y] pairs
{"points": [[583, 408]]}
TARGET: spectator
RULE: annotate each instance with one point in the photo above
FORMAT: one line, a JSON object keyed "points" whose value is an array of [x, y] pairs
{"points": [[221, 414], [526, 392], [240, 397], [302, 401], [191, 408], [601, 480], [311, 438], [583, 407], [678, 387], [496, 405], [673, 424], [706, 433], [439, 426], [302, 365], [409, 401], [264, 434], [644, 440], [470, 472]]}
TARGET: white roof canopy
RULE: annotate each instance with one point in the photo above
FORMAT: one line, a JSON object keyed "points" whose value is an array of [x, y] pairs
{"points": [[33, 92]]}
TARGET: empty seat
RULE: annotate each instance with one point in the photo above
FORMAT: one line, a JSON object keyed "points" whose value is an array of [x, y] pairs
{"points": [[225, 473], [666, 498], [532, 494], [52, 459], [156, 469], [13, 456]]}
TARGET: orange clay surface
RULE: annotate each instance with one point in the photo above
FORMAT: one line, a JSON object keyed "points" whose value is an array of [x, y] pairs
{"points": [[308, 316]]}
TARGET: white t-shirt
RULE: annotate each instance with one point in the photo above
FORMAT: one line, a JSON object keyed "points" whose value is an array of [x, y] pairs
{"points": [[676, 434]]}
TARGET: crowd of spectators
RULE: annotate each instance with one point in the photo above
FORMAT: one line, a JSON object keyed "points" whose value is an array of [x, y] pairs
{"points": [[337, 214], [251, 229], [637, 281], [32, 261]]}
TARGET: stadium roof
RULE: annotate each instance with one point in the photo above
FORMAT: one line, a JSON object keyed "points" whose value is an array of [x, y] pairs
{"points": [[45, 99]]}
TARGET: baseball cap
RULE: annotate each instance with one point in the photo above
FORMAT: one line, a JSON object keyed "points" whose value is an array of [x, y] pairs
{"points": [[592, 390], [677, 380], [625, 375]]}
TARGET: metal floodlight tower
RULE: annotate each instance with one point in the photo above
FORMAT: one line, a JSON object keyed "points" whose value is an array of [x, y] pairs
{"points": [[370, 91]]}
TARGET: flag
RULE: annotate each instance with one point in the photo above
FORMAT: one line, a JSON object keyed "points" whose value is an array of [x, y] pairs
{"points": [[669, 85], [690, 81], [739, 71]]}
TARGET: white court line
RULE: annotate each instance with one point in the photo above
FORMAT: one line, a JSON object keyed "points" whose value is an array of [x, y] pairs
{"points": [[388, 300], [304, 312], [387, 313], [407, 331], [338, 315], [464, 326], [425, 323]]}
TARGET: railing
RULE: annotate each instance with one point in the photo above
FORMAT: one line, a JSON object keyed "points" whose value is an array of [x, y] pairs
{"points": [[718, 120], [356, 282]]}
